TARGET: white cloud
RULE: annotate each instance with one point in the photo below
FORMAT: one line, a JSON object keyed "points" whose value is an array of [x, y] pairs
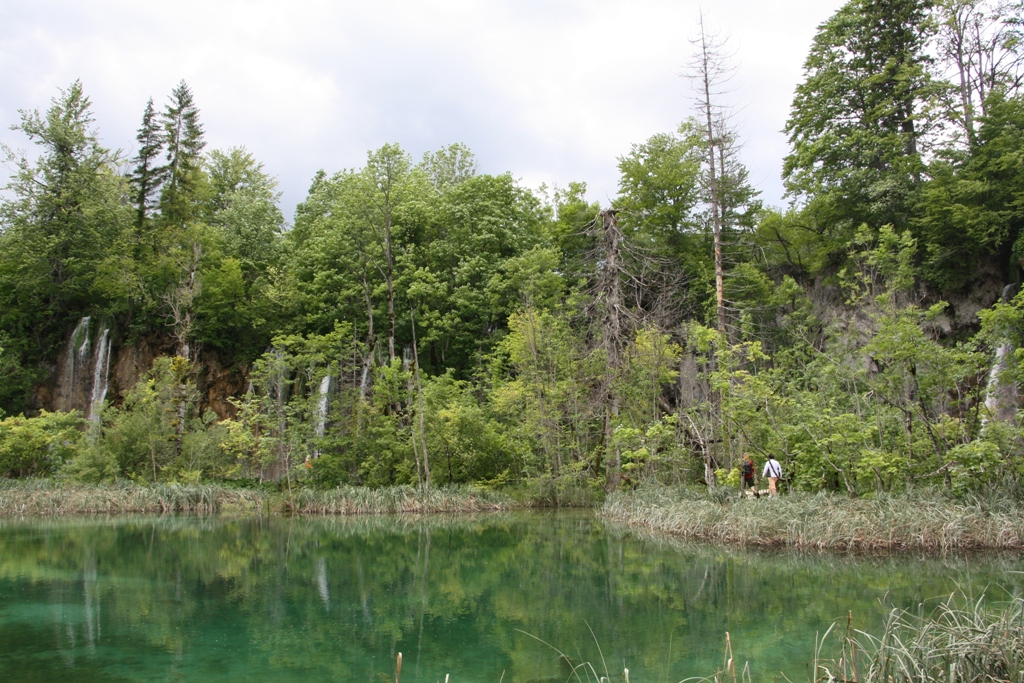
{"points": [[551, 91]]}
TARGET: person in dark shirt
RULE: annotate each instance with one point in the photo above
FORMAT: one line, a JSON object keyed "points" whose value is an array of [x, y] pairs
{"points": [[747, 472]]}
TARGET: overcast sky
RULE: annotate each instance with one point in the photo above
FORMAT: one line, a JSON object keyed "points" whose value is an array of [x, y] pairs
{"points": [[552, 91]]}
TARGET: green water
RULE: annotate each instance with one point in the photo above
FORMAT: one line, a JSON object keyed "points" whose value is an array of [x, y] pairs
{"points": [[210, 599]]}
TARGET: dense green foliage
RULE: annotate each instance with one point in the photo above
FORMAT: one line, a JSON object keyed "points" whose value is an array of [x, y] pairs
{"points": [[420, 322]]}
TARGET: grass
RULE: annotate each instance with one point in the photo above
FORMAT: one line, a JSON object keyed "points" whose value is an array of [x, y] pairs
{"points": [[43, 497], [961, 640], [354, 500], [46, 497], [922, 520]]}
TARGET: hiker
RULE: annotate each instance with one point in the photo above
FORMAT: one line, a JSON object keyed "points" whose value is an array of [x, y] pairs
{"points": [[747, 475], [772, 470]]}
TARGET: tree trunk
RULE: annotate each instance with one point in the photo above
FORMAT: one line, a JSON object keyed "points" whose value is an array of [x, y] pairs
{"points": [[611, 290], [419, 394], [364, 382]]}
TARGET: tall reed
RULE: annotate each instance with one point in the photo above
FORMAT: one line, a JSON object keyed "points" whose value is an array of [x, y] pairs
{"points": [[49, 498], [914, 520], [354, 500], [962, 640]]}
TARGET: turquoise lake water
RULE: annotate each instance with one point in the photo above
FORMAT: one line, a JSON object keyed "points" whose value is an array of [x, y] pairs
{"points": [[222, 599]]}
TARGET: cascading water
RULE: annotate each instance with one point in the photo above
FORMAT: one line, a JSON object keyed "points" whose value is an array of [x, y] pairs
{"points": [[100, 376], [83, 380], [322, 406], [1001, 397], [323, 394], [74, 376]]}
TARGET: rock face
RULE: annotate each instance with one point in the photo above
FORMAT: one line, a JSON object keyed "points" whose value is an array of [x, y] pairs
{"points": [[219, 382], [95, 366]]}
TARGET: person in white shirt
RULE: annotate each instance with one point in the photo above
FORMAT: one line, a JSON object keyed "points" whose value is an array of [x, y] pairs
{"points": [[772, 470]]}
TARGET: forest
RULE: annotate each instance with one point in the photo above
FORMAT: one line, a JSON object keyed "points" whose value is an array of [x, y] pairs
{"points": [[419, 322]]}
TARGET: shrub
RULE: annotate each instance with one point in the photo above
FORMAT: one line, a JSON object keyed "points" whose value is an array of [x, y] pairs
{"points": [[37, 446]]}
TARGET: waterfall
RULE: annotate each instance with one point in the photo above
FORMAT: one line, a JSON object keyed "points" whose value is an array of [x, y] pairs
{"points": [[1001, 397], [100, 375], [322, 405], [74, 362]]}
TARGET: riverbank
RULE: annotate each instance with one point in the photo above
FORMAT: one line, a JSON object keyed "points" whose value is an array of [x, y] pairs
{"points": [[923, 520], [54, 498]]}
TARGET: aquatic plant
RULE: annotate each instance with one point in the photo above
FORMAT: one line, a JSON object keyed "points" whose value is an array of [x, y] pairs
{"points": [[915, 520], [352, 500], [962, 640], [50, 497]]}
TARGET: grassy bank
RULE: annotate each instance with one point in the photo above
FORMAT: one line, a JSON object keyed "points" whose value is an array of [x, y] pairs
{"points": [[924, 520], [51, 498]]}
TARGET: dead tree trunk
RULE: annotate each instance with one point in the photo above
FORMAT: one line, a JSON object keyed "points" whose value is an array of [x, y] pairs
{"points": [[612, 341], [706, 69], [181, 302]]}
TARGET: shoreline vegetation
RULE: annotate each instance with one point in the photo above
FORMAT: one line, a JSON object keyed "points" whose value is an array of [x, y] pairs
{"points": [[44, 498], [926, 519], [914, 520]]}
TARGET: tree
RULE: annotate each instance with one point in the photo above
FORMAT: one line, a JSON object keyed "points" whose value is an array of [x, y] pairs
{"points": [[449, 166], [62, 233], [659, 187], [973, 211], [243, 208], [856, 122], [147, 175], [981, 42], [183, 139], [385, 173], [709, 72]]}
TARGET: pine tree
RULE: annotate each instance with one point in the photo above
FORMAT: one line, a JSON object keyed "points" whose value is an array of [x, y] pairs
{"points": [[183, 138], [858, 118], [147, 175]]}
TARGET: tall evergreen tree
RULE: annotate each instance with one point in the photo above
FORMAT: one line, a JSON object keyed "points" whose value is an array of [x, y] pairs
{"points": [[147, 175], [856, 121], [183, 138]]}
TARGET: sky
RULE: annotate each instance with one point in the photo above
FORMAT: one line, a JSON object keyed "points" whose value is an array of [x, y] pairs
{"points": [[551, 91]]}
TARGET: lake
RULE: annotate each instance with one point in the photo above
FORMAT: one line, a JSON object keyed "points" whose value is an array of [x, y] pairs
{"points": [[251, 599]]}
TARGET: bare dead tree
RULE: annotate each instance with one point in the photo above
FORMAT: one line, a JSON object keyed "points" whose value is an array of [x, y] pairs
{"points": [[612, 329], [181, 306], [709, 71], [181, 303], [632, 288], [982, 43]]}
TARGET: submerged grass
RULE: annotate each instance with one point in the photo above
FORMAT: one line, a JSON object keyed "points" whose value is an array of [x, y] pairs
{"points": [[44, 497], [921, 520]]}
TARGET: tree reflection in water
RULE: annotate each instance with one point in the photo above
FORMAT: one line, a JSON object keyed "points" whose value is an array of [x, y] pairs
{"points": [[337, 598]]}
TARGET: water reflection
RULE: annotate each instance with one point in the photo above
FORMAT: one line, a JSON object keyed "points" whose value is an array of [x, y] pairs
{"points": [[148, 599]]}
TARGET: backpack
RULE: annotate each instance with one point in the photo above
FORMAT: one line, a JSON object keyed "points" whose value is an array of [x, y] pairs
{"points": [[747, 469]]}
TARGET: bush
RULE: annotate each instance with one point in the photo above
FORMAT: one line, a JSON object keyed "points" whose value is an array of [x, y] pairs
{"points": [[38, 446]]}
